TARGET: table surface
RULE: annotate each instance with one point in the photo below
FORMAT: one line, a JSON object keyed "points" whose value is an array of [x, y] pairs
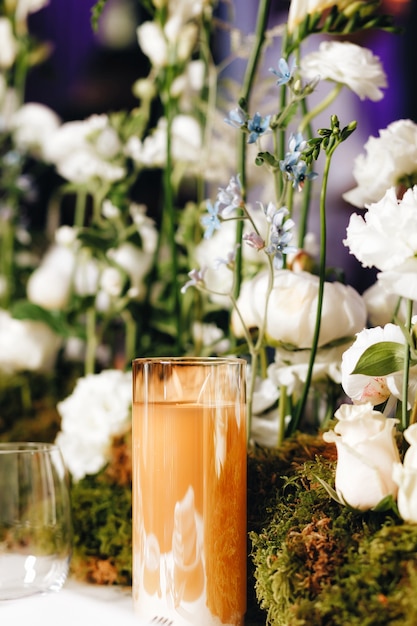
{"points": [[77, 604]]}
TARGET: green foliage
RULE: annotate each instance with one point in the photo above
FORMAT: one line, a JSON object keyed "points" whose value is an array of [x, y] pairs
{"points": [[96, 12], [381, 359], [357, 16]]}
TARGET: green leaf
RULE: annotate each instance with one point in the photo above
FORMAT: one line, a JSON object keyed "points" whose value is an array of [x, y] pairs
{"points": [[331, 492], [24, 310], [381, 359]]}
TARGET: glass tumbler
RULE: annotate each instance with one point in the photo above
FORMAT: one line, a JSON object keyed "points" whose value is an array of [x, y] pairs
{"points": [[189, 490], [35, 519]]}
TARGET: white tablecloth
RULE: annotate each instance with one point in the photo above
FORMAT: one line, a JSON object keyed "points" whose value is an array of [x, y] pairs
{"points": [[76, 604]]}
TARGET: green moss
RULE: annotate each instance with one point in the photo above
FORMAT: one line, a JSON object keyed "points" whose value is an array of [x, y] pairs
{"points": [[102, 519], [317, 563]]}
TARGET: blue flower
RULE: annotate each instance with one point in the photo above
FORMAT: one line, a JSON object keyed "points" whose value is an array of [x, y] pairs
{"points": [[284, 72], [296, 142], [257, 126], [281, 235], [230, 198], [299, 175], [288, 164], [211, 221], [236, 118]]}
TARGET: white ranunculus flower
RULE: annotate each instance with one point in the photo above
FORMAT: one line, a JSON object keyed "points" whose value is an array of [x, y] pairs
{"points": [[8, 44], [347, 63], [265, 395], [26, 345], [82, 166], [265, 429], [290, 367], [382, 305], [31, 126], [186, 143], [98, 409], [386, 236], [49, 285], [375, 389], [401, 281], [366, 454], [85, 150], [292, 307], [388, 158]]}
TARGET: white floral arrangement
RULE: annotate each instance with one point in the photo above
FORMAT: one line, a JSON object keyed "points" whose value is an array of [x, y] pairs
{"points": [[232, 268]]}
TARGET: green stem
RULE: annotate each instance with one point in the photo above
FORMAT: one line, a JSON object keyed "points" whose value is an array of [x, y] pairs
{"points": [[404, 407], [169, 221], [281, 414], [80, 206], [322, 273], [248, 81], [324, 104], [90, 356]]}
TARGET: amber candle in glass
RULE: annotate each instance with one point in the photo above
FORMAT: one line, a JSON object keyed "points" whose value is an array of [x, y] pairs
{"points": [[189, 490]]}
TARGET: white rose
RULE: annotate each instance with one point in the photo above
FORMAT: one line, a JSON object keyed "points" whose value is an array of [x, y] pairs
{"points": [[349, 64], [98, 409], [406, 479], [388, 158], [292, 307], [388, 225], [366, 454], [26, 345], [31, 125], [8, 44], [405, 476], [375, 389]]}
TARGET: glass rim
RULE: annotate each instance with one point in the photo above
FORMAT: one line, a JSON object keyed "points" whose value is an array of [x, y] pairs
{"points": [[201, 360], [22, 447]]}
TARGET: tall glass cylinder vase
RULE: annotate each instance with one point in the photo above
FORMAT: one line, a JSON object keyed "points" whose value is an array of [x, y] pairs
{"points": [[189, 490]]}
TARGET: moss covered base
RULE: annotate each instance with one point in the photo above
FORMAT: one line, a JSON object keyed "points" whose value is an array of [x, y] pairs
{"points": [[317, 563]]}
